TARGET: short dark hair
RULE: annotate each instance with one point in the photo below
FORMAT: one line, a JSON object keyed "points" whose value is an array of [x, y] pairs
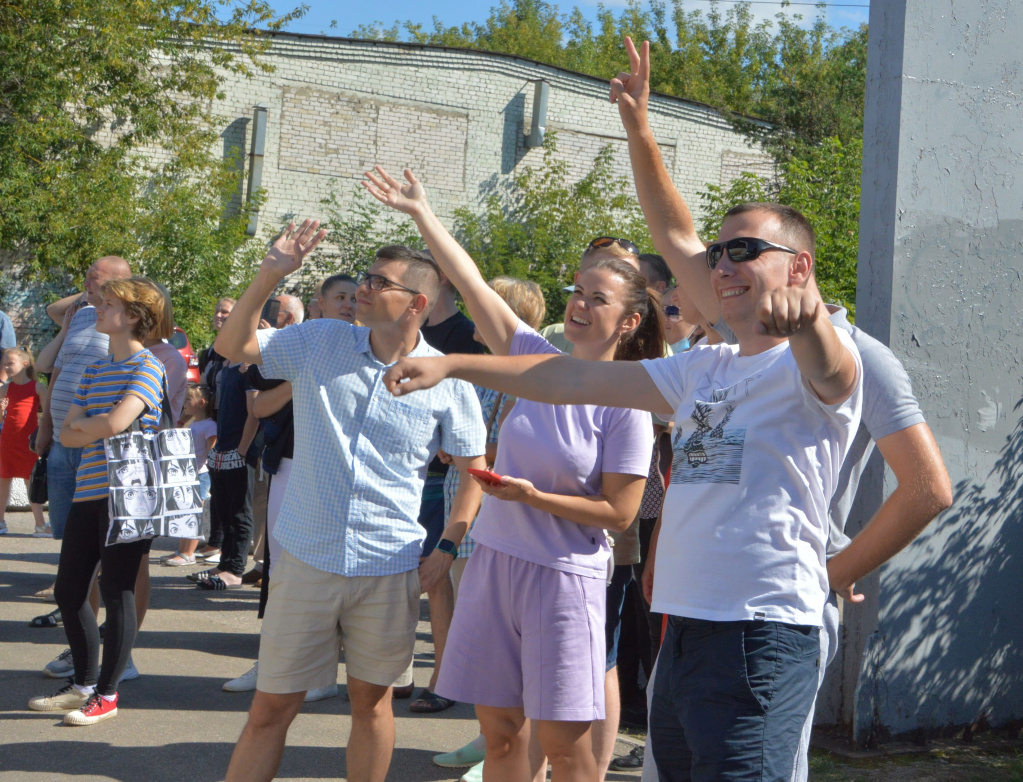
{"points": [[421, 273], [335, 279], [659, 271], [797, 229]]}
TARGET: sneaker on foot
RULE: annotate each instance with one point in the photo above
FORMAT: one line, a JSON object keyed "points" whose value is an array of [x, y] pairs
{"points": [[67, 697], [61, 666], [43, 532], [96, 709], [474, 774], [3, 527], [320, 693], [130, 671], [244, 683], [466, 756]]}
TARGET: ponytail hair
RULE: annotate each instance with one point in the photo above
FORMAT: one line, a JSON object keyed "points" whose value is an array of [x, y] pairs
{"points": [[26, 355], [647, 339]]}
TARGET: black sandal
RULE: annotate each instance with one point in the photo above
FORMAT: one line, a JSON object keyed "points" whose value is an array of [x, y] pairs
{"points": [[430, 702], [52, 619]]}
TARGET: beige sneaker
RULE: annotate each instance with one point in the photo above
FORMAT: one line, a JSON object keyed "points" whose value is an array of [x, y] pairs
{"points": [[64, 699]]}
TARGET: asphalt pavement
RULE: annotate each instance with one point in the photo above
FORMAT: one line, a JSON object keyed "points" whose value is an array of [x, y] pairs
{"points": [[174, 722]]}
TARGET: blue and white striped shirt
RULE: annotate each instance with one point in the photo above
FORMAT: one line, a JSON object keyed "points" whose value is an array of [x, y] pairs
{"points": [[352, 502], [83, 345]]}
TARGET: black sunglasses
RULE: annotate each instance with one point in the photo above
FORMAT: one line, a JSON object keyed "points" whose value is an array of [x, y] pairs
{"points": [[742, 249], [377, 282], [671, 312], [606, 241]]}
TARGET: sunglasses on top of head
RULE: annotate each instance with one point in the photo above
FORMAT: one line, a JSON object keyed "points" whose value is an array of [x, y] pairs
{"points": [[606, 241], [742, 249], [377, 282]]}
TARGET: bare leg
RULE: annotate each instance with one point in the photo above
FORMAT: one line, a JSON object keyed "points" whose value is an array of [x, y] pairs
{"points": [[371, 744], [605, 731], [37, 512], [442, 608], [142, 590], [258, 752], [507, 735], [569, 748], [187, 547], [537, 760], [5, 496]]}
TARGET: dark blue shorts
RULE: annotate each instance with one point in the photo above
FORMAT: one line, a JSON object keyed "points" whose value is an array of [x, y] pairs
{"points": [[730, 699], [620, 579], [431, 512]]}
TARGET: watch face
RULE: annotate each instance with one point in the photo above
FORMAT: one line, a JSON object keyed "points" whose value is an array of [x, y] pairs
{"points": [[448, 547]]}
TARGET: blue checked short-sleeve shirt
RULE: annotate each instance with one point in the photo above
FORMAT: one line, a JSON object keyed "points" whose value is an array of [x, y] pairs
{"points": [[352, 502]]}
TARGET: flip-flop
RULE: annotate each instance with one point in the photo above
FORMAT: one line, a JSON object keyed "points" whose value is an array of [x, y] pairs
{"points": [[52, 619], [202, 574], [216, 584], [430, 702]]}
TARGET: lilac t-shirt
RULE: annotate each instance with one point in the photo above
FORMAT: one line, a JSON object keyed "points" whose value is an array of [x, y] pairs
{"points": [[562, 449]]}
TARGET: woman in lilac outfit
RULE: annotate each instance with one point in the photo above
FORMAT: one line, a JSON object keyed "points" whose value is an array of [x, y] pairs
{"points": [[527, 641]]}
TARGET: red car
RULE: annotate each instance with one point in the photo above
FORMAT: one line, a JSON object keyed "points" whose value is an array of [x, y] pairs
{"points": [[180, 341]]}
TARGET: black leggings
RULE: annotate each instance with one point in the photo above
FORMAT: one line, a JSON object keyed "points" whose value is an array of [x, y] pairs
{"points": [[81, 552], [231, 512]]}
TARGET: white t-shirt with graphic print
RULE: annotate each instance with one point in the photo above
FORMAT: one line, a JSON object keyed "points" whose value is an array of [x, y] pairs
{"points": [[757, 457]]}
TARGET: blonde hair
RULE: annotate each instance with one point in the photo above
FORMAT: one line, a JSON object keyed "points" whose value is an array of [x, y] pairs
{"points": [[26, 354], [204, 393], [141, 299], [523, 296]]}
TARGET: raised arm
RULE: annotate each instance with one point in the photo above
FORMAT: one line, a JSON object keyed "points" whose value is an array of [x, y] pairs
{"points": [[923, 492], [667, 215], [237, 338], [492, 316], [556, 380], [58, 309], [48, 355]]}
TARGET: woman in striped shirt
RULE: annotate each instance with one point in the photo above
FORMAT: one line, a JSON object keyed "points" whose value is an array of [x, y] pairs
{"points": [[126, 385]]}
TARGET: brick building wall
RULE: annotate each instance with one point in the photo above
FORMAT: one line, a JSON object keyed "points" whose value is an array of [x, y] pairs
{"points": [[458, 118]]}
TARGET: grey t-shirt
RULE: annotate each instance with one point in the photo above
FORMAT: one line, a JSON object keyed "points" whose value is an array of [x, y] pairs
{"points": [[888, 407]]}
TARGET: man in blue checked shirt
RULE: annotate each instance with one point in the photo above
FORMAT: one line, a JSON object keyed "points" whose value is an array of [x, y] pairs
{"points": [[348, 528]]}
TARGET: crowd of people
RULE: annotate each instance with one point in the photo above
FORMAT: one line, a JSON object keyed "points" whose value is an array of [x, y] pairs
{"points": [[640, 509]]}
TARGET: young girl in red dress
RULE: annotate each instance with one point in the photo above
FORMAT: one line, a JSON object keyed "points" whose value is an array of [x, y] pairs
{"points": [[23, 394]]}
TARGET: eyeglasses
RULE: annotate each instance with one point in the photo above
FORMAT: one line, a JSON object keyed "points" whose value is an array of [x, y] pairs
{"points": [[606, 241], [377, 282], [742, 249], [671, 312]]}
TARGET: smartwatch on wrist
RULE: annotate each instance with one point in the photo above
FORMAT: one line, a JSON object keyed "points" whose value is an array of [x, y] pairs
{"points": [[448, 547]]}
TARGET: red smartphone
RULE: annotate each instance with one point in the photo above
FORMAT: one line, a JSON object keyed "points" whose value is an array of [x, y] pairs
{"points": [[487, 476]]}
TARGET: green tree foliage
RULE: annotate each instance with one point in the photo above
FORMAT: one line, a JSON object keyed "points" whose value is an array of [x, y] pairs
{"points": [[824, 184], [538, 227], [797, 91], [355, 229], [106, 137]]}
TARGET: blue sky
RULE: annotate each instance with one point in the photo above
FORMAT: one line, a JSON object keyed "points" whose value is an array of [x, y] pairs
{"points": [[350, 15]]}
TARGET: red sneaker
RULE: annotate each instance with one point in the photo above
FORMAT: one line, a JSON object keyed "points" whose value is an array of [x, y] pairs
{"points": [[96, 709]]}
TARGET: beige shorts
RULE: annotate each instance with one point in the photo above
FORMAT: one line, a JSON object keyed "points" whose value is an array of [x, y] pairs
{"points": [[311, 612]]}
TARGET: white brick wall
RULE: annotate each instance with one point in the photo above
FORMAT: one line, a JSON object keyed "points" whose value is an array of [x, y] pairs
{"points": [[457, 117]]}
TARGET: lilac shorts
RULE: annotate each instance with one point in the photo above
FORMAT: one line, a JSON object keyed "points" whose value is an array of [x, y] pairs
{"points": [[526, 636]]}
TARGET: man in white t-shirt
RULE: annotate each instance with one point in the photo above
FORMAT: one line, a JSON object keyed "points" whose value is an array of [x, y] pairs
{"points": [[891, 415], [761, 431]]}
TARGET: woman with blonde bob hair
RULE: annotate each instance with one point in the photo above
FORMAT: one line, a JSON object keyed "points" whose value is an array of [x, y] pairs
{"points": [[115, 391]]}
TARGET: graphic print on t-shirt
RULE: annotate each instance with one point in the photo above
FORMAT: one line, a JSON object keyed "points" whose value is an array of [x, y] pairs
{"points": [[712, 452]]}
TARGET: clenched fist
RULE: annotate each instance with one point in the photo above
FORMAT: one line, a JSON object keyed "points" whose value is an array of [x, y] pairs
{"points": [[786, 311]]}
